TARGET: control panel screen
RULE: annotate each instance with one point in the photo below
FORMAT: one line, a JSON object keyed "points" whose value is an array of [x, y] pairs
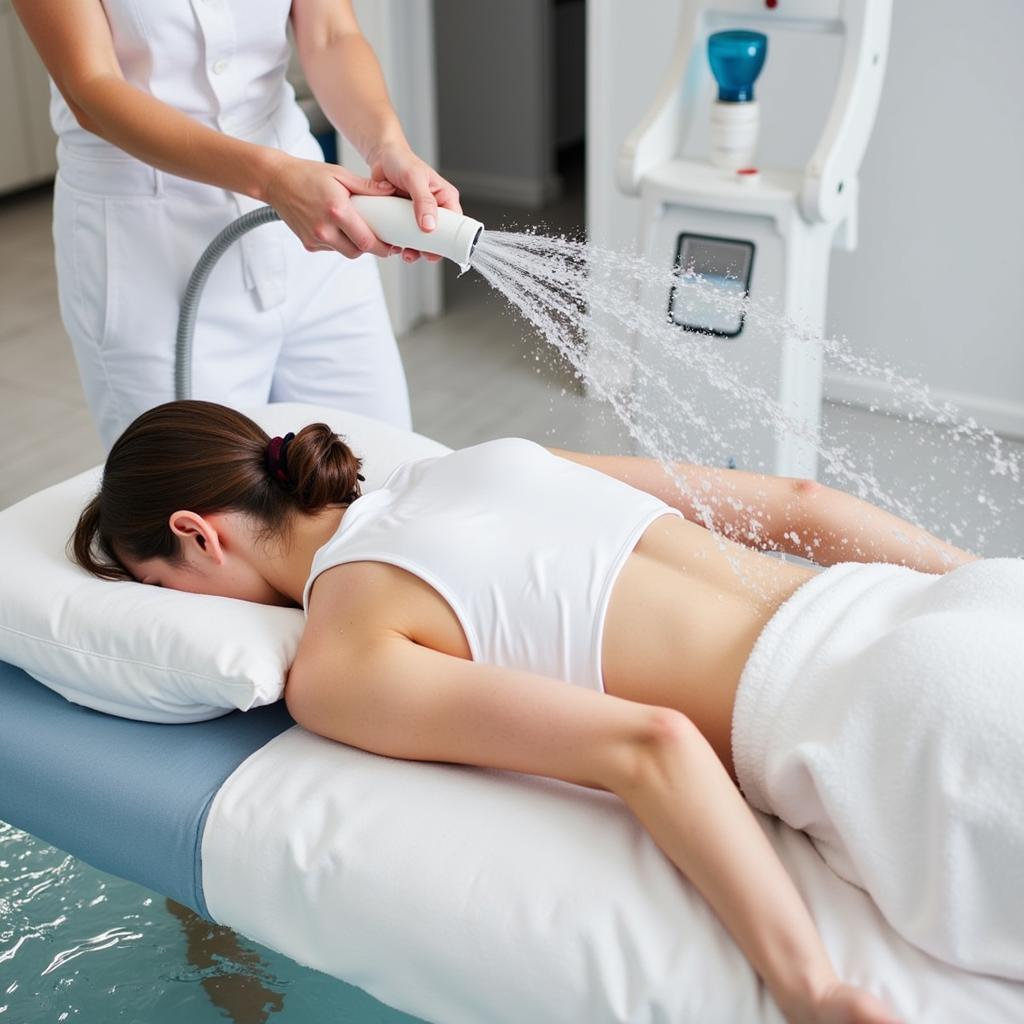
{"points": [[713, 304]]}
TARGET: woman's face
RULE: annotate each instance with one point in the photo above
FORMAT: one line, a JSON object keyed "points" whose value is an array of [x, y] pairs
{"points": [[232, 579], [218, 557]]}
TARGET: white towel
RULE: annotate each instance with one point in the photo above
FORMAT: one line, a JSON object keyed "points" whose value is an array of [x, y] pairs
{"points": [[882, 712]]}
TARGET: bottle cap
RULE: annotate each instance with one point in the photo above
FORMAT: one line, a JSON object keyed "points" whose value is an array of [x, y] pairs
{"points": [[736, 57]]}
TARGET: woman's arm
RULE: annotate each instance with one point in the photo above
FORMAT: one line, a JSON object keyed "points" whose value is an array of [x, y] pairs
{"points": [[401, 699], [74, 41], [346, 80], [770, 513]]}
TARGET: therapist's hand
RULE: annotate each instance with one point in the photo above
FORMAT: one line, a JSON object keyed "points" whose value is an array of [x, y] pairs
{"points": [[395, 163], [312, 198]]}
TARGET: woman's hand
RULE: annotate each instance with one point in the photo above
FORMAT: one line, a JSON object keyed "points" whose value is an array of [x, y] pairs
{"points": [[838, 1003], [397, 164], [312, 198]]}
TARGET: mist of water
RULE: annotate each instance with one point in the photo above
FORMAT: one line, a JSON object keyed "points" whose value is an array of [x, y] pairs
{"points": [[684, 396]]}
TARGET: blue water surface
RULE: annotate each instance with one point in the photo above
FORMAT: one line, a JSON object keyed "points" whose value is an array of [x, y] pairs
{"points": [[77, 944]]}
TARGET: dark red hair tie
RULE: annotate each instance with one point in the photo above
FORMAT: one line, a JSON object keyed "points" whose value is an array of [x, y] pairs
{"points": [[277, 457]]}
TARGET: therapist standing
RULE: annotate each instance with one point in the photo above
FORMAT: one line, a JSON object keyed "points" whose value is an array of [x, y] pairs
{"points": [[173, 118]]}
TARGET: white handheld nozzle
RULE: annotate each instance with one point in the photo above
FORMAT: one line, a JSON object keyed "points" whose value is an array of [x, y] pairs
{"points": [[393, 221]]}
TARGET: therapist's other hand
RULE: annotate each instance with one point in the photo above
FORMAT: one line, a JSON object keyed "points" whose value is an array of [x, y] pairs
{"points": [[395, 163], [312, 198]]}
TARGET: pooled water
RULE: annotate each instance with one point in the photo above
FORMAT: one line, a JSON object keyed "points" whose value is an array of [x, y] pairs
{"points": [[80, 945], [685, 396]]}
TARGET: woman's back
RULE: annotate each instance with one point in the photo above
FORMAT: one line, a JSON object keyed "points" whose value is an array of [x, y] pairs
{"points": [[522, 545], [507, 554], [683, 618]]}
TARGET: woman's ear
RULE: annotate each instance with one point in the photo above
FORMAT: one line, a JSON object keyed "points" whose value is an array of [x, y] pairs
{"points": [[199, 537]]}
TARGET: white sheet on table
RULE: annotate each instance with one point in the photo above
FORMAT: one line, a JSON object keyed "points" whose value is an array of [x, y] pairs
{"points": [[469, 896]]}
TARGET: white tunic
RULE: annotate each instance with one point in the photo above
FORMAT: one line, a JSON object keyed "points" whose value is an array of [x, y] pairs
{"points": [[523, 545], [220, 62], [275, 323]]}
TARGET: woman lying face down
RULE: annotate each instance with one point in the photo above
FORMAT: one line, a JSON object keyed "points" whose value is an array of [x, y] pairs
{"points": [[520, 608]]}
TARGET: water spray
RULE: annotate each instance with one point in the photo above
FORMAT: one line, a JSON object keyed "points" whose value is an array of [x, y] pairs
{"points": [[582, 299]]}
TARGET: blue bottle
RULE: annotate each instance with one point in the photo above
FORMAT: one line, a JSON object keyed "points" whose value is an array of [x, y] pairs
{"points": [[736, 57]]}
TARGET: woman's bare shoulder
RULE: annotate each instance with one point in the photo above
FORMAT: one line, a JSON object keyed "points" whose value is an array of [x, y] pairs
{"points": [[354, 605], [357, 584], [354, 595]]}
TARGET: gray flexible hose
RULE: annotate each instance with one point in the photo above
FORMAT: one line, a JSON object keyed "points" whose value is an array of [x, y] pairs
{"points": [[194, 290]]}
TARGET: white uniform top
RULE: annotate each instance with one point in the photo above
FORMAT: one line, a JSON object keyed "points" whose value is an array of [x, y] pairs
{"points": [[524, 545], [223, 63], [219, 61]]}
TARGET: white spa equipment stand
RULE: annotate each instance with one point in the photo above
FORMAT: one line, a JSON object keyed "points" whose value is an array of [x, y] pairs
{"points": [[775, 229]]}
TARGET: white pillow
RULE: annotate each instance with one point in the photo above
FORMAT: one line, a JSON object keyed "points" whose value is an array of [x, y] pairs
{"points": [[146, 652]]}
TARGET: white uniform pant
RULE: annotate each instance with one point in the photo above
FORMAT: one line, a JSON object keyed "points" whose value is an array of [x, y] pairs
{"points": [[275, 323]]}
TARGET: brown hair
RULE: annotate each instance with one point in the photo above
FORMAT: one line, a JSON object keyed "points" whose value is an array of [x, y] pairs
{"points": [[205, 458]]}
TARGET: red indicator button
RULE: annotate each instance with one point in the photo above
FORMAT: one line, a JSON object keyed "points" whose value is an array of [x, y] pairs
{"points": [[771, 4], [747, 170]]}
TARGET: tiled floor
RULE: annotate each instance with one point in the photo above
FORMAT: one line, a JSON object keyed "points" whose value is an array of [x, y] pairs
{"points": [[473, 374]]}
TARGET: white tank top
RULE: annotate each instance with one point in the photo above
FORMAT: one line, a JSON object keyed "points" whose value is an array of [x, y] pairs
{"points": [[524, 545]]}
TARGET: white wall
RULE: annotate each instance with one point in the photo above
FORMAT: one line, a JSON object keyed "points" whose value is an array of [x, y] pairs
{"points": [[401, 34], [935, 286], [495, 87], [29, 155]]}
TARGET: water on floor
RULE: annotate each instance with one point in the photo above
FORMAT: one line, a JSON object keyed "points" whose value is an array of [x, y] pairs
{"points": [[80, 945]]}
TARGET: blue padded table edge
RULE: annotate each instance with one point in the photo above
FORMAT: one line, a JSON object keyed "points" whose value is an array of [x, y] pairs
{"points": [[127, 797]]}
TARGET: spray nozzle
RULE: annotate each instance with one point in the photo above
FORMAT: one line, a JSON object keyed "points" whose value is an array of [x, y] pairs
{"points": [[394, 221]]}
